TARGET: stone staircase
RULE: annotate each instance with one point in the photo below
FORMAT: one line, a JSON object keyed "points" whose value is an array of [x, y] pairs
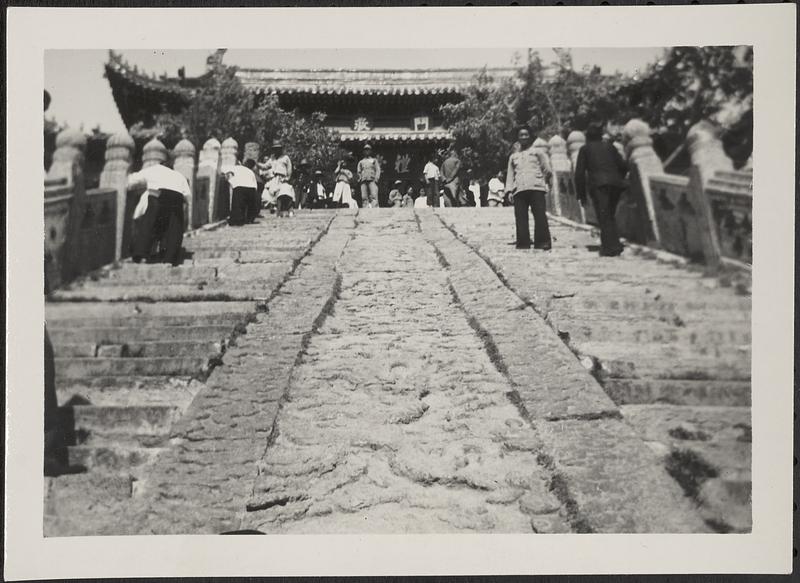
{"points": [[135, 343], [669, 343]]}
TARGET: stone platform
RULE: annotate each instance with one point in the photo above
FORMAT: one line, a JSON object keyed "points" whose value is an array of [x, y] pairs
{"points": [[399, 371]]}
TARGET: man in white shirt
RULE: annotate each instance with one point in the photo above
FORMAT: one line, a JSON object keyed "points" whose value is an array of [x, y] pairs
{"points": [[159, 216], [431, 176], [243, 185]]}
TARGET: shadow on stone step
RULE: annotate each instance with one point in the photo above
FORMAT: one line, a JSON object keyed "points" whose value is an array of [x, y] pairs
{"points": [[246, 531]]}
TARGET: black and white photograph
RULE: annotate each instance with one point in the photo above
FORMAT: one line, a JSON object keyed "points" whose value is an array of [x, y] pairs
{"points": [[381, 290]]}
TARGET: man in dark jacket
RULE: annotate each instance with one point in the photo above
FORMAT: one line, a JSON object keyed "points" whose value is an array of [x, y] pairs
{"points": [[602, 166]]}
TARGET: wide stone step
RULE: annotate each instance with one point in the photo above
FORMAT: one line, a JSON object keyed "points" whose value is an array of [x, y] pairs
{"points": [[75, 312], [647, 367], [158, 273], [72, 368], [679, 392], [654, 332], [228, 291], [95, 424], [151, 321], [130, 334], [642, 303], [195, 348], [124, 385], [171, 391], [112, 458]]}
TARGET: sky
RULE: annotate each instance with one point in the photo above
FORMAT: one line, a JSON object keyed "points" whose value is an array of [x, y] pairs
{"points": [[81, 96]]}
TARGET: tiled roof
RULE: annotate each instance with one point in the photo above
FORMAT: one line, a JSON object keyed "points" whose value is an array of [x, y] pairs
{"points": [[312, 81], [119, 70], [362, 81]]}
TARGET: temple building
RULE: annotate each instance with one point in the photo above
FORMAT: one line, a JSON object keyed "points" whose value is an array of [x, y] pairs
{"points": [[396, 111]]}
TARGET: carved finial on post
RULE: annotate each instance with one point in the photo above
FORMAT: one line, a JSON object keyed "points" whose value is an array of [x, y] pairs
{"points": [[252, 151], [542, 146], [154, 152], [559, 159], [68, 156], [575, 141], [67, 165], [119, 158], [208, 166], [706, 151], [183, 162], [229, 152]]}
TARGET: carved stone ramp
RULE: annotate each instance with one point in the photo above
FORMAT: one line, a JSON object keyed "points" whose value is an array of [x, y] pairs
{"points": [[605, 473], [668, 341], [135, 343]]}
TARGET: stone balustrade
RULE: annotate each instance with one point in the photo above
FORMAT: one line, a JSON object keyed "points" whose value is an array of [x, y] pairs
{"points": [[705, 216], [86, 229]]}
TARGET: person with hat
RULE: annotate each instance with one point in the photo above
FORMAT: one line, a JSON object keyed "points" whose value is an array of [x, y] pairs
{"points": [[159, 215], [277, 169], [395, 196], [369, 172]]}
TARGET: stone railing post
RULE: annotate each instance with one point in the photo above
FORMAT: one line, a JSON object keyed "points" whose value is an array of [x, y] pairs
{"points": [[183, 162], [706, 151], [119, 158], [708, 157], [542, 146], [576, 141], [643, 163], [252, 151], [229, 153], [67, 166], [208, 167], [561, 164], [154, 152]]}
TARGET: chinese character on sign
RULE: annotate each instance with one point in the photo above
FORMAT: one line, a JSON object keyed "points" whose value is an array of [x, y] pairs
{"points": [[361, 124], [421, 123], [402, 163]]}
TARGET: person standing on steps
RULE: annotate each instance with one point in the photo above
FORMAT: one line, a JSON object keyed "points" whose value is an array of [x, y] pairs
{"points": [[244, 189], [342, 193], [451, 177], [159, 216], [431, 177], [527, 178], [369, 172], [601, 167], [255, 203]]}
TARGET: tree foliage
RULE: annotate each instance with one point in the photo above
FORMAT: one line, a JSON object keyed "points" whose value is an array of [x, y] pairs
{"points": [[224, 108], [689, 84], [483, 124], [686, 85]]}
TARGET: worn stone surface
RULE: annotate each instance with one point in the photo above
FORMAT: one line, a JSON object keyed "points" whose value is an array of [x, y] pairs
{"points": [[128, 366], [396, 420], [650, 332], [388, 371]]}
